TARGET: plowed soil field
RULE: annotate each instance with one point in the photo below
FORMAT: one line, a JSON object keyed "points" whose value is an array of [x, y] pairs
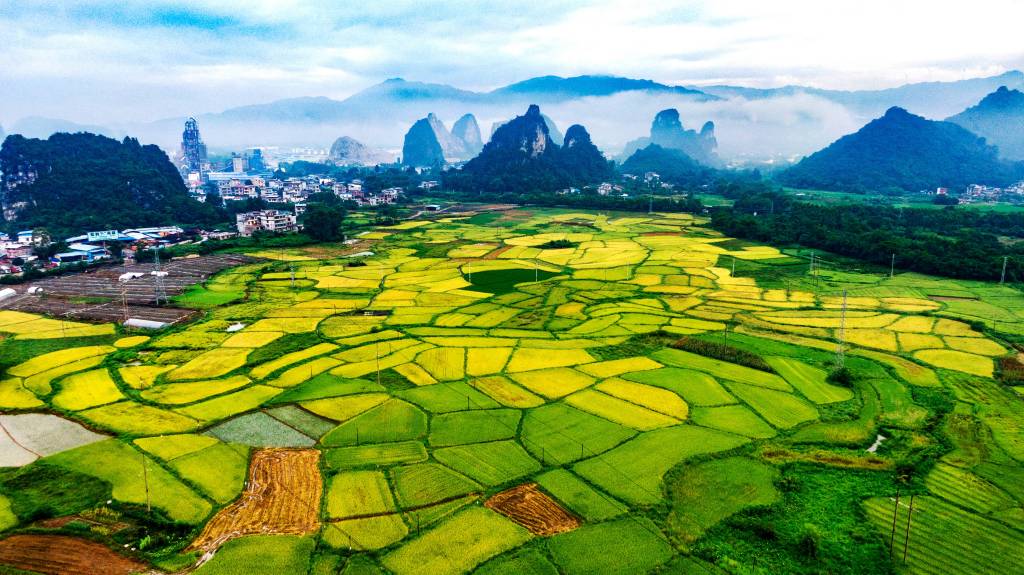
{"points": [[63, 555], [282, 496], [533, 509]]}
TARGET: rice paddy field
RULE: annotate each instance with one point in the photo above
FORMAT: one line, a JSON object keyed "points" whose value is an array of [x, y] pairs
{"points": [[467, 400]]}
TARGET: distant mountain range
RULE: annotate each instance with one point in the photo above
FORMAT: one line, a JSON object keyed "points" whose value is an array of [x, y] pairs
{"points": [[751, 123], [667, 132], [429, 143], [999, 117], [902, 151], [929, 99]]}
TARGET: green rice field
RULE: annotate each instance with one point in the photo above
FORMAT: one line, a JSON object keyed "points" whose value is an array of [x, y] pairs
{"points": [[465, 358]]}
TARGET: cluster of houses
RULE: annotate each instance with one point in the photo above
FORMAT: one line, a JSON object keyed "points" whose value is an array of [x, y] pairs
{"points": [[295, 190], [18, 250], [977, 193], [651, 179]]}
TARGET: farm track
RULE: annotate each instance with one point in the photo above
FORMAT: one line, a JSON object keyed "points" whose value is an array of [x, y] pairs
{"points": [[64, 555], [282, 496], [533, 509]]}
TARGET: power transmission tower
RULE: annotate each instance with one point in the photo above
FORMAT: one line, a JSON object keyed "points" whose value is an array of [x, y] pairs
{"points": [[158, 277], [1002, 276], [124, 299], [840, 348], [892, 266]]}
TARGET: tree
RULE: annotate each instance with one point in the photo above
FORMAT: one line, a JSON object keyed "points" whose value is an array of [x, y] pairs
{"points": [[323, 222], [213, 197], [386, 215]]}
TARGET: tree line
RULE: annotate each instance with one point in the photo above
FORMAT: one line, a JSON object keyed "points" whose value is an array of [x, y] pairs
{"points": [[951, 242]]}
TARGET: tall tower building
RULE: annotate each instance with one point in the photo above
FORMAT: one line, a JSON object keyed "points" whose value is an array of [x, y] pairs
{"points": [[193, 150]]}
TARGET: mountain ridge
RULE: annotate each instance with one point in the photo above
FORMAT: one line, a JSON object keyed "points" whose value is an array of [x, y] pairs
{"points": [[999, 117], [903, 151]]}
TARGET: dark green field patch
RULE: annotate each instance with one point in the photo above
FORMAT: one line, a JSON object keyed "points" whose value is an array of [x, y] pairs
{"points": [[580, 498], [492, 464], [559, 434], [327, 385], [448, 397], [475, 426], [625, 546], [737, 482], [392, 421], [504, 281], [41, 490], [734, 419], [376, 454]]}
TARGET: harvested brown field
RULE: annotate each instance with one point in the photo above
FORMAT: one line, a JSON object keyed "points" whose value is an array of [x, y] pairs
{"points": [[96, 294], [533, 509], [494, 254], [63, 555], [282, 496]]}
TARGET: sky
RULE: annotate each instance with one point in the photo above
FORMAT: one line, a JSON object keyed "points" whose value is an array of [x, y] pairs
{"points": [[108, 61]]}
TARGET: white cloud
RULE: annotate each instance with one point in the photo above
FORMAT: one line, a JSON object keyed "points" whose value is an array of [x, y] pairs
{"points": [[98, 60]]}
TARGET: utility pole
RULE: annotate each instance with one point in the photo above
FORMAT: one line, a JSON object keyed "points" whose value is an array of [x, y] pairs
{"points": [[469, 265], [145, 480], [895, 512], [291, 273], [1002, 276], [734, 266], [650, 205], [840, 351], [892, 266], [906, 542]]}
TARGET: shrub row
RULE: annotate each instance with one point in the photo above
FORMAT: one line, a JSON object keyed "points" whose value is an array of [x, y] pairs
{"points": [[723, 352]]}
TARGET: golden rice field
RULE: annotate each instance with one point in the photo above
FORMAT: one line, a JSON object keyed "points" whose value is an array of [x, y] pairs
{"points": [[465, 360]]}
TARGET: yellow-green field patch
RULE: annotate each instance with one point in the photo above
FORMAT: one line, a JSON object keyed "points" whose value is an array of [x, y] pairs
{"points": [[553, 382]]}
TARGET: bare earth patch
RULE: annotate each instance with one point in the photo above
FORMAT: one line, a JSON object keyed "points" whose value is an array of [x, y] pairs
{"points": [[63, 555], [282, 496], [533, 509]]}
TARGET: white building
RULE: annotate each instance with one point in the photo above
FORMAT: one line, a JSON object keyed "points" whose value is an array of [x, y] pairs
{"points": [[266, 221]]}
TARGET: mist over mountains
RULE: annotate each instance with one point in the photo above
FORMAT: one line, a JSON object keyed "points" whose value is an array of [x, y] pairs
{"points": [[750, 123]]}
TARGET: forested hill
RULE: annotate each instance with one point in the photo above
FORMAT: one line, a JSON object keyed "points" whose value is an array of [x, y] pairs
{"points": [[522, 156], [999, 117], [906, 152], [951, 242], [672, 166], [71, 183]]}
